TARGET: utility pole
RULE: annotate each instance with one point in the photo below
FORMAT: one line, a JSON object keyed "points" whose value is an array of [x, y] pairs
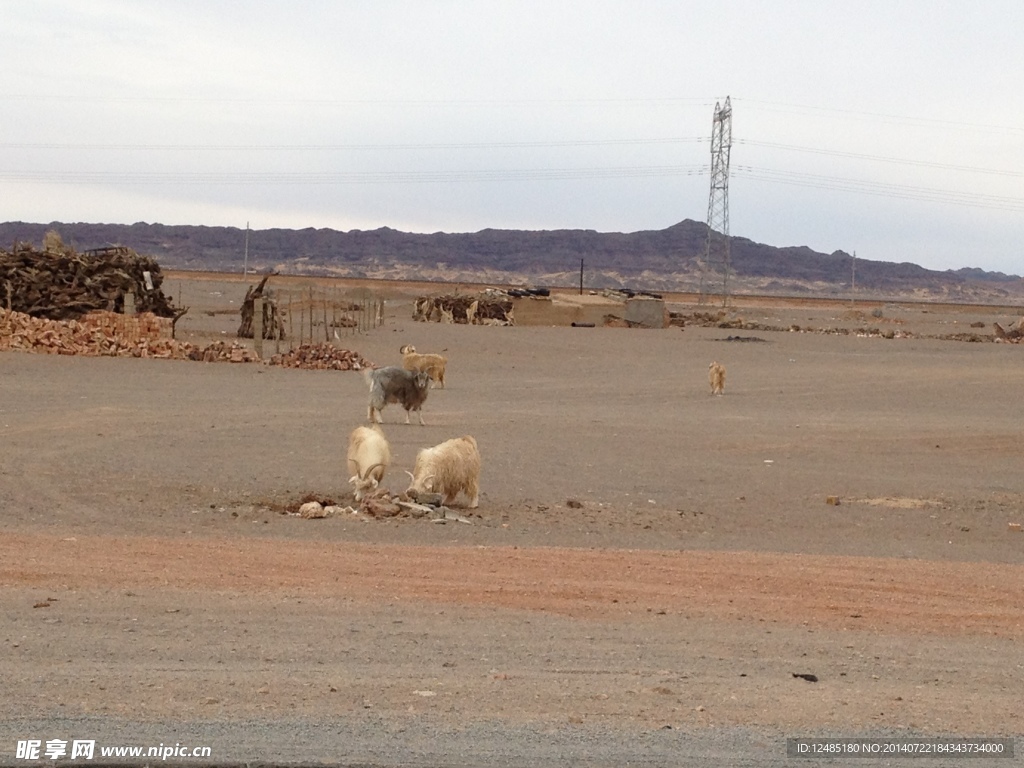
{"points": [[245, 268], [853, 278], [715, 265]]}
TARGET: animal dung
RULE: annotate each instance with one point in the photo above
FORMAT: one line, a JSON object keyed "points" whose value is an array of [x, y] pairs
{"points": [[832, 500]]}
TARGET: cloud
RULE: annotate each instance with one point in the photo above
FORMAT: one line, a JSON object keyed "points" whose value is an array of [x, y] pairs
{"points": [[884, 128]]}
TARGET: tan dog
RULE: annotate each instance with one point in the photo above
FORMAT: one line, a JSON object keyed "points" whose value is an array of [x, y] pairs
{"points": [[716, 377]]}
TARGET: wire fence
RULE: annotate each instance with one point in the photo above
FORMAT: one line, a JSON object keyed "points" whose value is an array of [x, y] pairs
{"points": [[318, 315]]}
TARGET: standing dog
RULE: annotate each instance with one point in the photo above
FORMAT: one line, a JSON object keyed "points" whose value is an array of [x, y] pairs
{"points": [[716, 377], [392, 384]]}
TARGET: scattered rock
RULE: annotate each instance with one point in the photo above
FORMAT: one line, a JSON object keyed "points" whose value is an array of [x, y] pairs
{"points": [[312, 510], [415, 510], [430, 499], [380, 507], [806, 676], [449, 515]]}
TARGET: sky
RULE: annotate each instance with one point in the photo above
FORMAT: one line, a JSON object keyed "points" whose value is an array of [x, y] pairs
{"points": [[894, 130]]}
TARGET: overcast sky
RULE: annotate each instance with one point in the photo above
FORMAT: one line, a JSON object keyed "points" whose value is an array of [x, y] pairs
{"points": [[893, 129]]}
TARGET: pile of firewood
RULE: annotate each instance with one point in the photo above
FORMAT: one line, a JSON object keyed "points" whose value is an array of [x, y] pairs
{"points": [[488, 308], [111, 335], [322, 357], [58, 283]]}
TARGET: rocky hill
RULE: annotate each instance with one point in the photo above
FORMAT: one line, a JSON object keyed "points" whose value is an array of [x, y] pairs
{"points": [[664, 259]]}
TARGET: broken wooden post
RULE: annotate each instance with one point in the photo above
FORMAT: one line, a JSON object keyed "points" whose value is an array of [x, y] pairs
{"points": [[257, 325]]}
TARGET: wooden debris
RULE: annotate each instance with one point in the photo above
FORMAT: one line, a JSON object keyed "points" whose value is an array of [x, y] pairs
{"points": [[273, 328], [1013, 335]]}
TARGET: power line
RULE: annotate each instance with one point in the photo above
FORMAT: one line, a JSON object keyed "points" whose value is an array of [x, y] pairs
{"points": [[880, 189], [804, 109], [352, 177], [349, 147], [880, 158], [657, 100]]}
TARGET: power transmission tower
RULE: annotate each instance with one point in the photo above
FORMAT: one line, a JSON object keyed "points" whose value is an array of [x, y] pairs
{"points": [[715, 265]]}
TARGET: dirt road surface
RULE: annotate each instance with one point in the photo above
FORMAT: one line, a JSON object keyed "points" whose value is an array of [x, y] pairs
{"points": [[653, 577]]}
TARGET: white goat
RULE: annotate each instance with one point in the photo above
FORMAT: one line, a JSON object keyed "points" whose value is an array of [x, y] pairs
{"points": [[448, 468], [368, 458], [432, 365]]}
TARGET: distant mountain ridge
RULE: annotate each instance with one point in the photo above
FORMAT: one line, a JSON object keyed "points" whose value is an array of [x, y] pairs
{"points": [[666, 259]]}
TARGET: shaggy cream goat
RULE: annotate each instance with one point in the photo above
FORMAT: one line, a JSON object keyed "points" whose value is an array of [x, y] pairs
{"points": [[368, 458], [448, 468]]}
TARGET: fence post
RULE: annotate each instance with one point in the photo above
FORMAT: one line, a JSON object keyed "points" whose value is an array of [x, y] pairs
{"points": [[291, 326], [257, 326]]}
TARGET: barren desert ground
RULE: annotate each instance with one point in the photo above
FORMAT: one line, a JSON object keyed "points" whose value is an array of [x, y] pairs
{"points": [[648, 572]]}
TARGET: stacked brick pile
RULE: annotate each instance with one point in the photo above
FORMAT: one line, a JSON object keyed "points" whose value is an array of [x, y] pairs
{"points": [[322, 357], [112, 335], [145, 325]]}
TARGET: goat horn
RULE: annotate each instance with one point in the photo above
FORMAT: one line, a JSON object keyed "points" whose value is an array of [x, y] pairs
{"points": [[370, 469]]}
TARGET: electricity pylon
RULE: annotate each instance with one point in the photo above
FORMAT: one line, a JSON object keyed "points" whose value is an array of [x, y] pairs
{"points": [[715, 265]]}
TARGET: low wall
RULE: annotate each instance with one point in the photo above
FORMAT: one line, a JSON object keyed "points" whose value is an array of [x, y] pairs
{"points": [[564, 310]]}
